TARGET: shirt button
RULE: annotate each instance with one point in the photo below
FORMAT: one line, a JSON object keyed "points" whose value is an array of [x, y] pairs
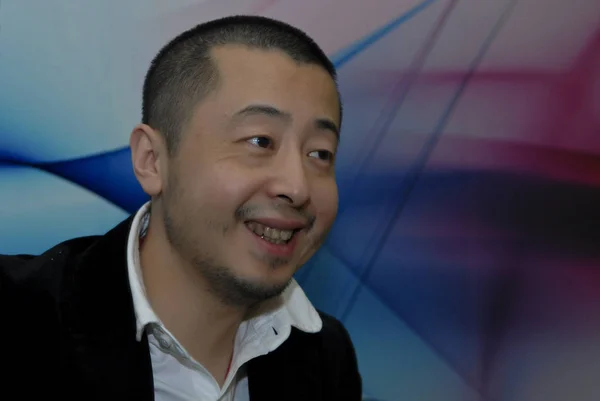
{"points": [[162, 338], [164, 343]]}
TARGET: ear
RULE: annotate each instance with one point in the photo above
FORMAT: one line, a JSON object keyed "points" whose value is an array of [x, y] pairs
{"points": [[148, 156]]}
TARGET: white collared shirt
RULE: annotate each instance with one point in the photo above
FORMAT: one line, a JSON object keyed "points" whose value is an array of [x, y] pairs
{"points": [[177, 376]]}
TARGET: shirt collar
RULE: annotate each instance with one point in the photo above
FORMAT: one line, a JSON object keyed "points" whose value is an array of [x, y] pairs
{"points": [[291, 308]]}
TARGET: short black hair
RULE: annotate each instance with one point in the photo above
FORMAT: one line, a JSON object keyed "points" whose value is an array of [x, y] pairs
{"points": [[183, 72]]}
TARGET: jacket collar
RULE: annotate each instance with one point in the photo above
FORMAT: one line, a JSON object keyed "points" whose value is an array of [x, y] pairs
{"points": [[98, 317]]}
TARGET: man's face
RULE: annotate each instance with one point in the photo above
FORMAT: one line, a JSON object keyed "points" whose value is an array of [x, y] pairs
{"points": [[251, 191]]}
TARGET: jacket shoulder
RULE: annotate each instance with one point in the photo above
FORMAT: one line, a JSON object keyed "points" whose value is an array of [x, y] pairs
{"points": [[340, 355], [31, 288], [333, 355], [318, 366], [332, 327], [31, 275]]}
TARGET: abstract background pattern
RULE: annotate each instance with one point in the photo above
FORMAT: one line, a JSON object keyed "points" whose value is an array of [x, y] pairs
{"points": [[465, 260]]}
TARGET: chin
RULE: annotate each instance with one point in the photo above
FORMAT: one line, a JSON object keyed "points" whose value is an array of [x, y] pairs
{"points": [[268, 273], [253, 290]]}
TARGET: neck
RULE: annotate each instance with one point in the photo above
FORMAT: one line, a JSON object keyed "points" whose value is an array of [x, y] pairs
{"points": [[205, 326]]}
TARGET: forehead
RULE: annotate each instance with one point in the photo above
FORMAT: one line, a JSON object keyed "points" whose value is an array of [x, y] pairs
{"points": [[271, 77]]}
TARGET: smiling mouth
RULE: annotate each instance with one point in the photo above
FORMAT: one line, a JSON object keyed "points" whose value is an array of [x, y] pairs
{"points": [[273, 235]]}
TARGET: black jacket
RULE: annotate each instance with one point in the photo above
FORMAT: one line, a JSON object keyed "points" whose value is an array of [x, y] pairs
{"points": [[67, 331]]}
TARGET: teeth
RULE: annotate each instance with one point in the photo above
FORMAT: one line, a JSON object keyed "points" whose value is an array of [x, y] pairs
{"points": [[257, 228], [271, 234]]}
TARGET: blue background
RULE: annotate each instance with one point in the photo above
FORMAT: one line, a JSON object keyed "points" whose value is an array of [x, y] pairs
{"points": [[464, 260]]}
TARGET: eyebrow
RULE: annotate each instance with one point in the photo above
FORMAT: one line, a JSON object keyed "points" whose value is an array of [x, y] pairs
{"points": [[325, 124], [264, 110], [322, 124]]}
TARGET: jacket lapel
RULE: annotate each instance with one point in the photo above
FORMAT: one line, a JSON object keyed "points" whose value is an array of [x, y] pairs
{"points": [[99, 319], [291, 372]]}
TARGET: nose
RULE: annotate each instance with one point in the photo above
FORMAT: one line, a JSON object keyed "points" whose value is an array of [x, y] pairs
{"points": [[289, 179]]}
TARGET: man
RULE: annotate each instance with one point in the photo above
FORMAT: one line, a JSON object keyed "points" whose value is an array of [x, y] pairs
{"points": [[192, 298]]}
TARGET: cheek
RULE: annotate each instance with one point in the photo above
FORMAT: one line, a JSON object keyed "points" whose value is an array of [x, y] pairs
{"points": [[325, 199], [225, 188]]}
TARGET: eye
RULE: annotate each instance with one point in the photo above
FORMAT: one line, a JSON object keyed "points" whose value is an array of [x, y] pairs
{"points": [[324, 155], [261, 142]]}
